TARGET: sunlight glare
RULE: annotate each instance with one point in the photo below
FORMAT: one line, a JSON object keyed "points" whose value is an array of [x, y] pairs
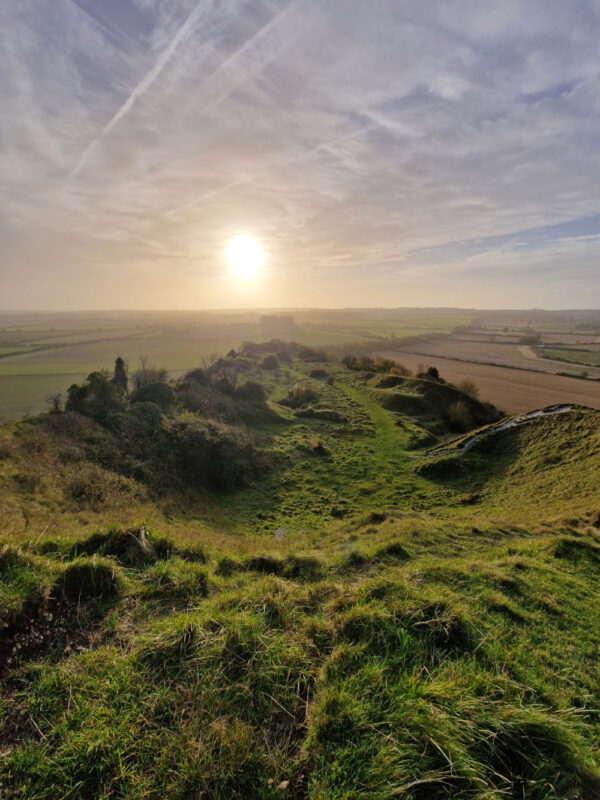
{"points": [[245, 256]]}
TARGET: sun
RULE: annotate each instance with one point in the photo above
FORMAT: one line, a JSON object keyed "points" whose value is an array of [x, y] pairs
{"points": [[245, 256]]}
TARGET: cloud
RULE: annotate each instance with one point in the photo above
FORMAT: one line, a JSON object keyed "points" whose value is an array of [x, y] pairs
{"points": [[146, 82], [369, 146]]}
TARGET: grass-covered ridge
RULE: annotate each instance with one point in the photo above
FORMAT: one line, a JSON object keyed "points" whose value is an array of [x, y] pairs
{"points": [[365, 611]]}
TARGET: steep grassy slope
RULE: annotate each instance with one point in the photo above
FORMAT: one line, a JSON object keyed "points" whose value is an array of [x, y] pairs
{"points": [[364, 618]]}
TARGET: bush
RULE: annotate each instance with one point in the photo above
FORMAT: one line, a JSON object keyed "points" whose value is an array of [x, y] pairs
{"points": [[432, 373], [469, 387], [225, 372], [366, 363], [459, 417], [269, 362], [312, 354], [211, 453], [146, 416], [191, 398], [198, 375], [251, 390], [155, 392], [88, 488], [300, 395], [148, 374], [97, 398]]}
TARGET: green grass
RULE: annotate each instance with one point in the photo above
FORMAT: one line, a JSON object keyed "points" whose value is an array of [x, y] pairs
{"points": [[433, 676], [365, 619], [571, 355], [51, 351]]}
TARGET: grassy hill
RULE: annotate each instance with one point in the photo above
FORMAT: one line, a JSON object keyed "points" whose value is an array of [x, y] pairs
{"points": [[284, 577]]}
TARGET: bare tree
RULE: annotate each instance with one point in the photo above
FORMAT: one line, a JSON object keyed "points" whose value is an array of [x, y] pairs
{"points": [[54, 402]]}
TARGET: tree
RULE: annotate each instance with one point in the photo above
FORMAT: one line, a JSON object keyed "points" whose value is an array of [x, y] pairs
{"points": [[119, 378], [98, 397], [149, 374], [54, 402]]}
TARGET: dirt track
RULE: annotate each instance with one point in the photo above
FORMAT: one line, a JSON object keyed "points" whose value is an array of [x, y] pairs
{"points": [[513, 390]]}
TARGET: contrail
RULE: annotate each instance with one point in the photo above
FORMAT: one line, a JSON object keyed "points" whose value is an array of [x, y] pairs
{"points": [[285, 163], [112, 31], [251, 58], [144, 84]]}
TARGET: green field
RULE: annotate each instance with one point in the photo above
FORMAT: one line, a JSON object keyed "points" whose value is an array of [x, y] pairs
{"points": [[63, 348], [328, 598], [571, 355]]}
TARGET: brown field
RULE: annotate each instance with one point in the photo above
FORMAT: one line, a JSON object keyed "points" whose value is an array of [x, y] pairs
{"points": [[502, 354], [513, 390]]}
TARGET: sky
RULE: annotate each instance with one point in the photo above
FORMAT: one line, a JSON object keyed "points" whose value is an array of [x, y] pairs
{"points": [[382, 153]]}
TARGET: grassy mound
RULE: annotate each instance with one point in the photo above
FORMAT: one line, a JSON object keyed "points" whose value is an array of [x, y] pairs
{"points": [[359, 620]]}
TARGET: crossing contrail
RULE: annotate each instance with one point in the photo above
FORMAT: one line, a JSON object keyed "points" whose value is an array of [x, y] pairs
{"points": [[146, 82], [268, 170]]}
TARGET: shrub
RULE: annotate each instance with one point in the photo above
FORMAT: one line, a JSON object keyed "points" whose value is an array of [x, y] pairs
{"points": [[155, 392], [198, 375], [88, 488], [364, 363], [225, 372], [211, 453], [459, 417], [149, 374], [146, 416], [191, 399], [284, 357], [97, 398], [312, 354], [468, 387], [300, 395], [432, 373], [270, 362], [251, 390]]}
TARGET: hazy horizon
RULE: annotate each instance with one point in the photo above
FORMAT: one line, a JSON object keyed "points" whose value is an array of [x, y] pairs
{"points": [[258, 309], [382, 155]]}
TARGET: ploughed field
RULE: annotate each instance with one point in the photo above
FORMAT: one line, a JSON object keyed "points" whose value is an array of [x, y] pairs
{"points": [[281, 576], [514, 390]]}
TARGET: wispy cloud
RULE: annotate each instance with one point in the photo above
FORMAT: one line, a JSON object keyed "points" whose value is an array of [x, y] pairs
{"points": [[146, 82], [383, 152]]}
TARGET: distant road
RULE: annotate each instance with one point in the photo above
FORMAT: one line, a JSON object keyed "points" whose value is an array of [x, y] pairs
{"points": [[512, 390]]}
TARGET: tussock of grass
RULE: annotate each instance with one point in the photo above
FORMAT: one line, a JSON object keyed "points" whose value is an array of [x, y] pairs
{"points": [[394, 551], [175, 579], [92, 578], [134, 547], [572, 549]]}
